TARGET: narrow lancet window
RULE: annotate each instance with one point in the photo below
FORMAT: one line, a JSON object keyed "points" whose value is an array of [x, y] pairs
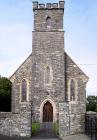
{"points": [[24, 91], [48, 75], [72, 90], [48, 23]]}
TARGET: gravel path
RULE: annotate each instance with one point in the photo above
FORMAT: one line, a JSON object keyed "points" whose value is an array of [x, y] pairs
{"points": [[45, 131], [73, 137], [77, 137]]}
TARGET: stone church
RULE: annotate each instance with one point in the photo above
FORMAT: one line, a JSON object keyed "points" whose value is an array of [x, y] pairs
{"points": [[49, 79]]}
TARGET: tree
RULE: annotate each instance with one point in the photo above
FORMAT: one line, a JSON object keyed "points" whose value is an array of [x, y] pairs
{"points": [[91, 103], [5, 94]]}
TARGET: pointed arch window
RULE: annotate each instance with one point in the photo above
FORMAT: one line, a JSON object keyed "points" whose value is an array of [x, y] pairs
{"points": [[48, 23], [24, 91], [72, 90]]}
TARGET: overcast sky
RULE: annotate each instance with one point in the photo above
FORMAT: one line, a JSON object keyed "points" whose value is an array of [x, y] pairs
{"points": [[80, 25]]}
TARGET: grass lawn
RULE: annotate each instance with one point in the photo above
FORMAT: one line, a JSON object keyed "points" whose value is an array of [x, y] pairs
{"points": [[56, 128], [35, 127]]}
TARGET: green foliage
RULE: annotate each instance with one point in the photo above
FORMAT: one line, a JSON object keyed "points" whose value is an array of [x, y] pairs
{"points": [[5, 87], [5, 94], [91, 103], [35, 127], [56, 128]]}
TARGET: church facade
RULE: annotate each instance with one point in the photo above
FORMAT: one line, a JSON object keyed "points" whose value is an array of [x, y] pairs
{"points": [[49, 79]]}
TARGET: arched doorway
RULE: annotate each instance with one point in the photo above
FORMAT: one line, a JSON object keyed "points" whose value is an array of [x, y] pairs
{"points": [[47, 112], [53, 108]]}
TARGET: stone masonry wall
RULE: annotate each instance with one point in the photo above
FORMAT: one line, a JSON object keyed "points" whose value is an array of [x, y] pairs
{"points": [[9, 124], [64, 120], [23, 72], [53, 10], [77, 108], [48, 50], [16, 124], [77, 118], [25, 123], [72, 113], [70, 120], [73, 71]]}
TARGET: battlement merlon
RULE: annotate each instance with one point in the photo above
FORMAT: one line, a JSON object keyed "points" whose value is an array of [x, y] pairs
{"points": [[40, 6]]}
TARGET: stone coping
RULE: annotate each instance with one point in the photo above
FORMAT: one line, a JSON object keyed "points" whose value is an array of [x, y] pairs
{"points": [[91, 113], [40, 6]]}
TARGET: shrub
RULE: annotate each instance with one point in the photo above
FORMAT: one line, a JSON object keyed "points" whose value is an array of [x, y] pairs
{"points": [[56, 128], [35, 127]]}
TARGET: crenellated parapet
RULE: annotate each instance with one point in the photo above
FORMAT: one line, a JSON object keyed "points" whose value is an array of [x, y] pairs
{"points": [[40, 6]]}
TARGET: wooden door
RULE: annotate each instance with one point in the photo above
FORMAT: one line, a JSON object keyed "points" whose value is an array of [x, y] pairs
{"points": [[47, 112]]}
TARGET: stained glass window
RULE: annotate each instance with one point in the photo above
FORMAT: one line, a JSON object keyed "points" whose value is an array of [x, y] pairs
{"points": [[72, 90], [24, 90]]}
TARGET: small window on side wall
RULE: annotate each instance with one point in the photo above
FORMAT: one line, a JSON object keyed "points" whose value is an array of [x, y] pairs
{"points": [[48, 23], [72, 90], [24, 91], [47, 75]]}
